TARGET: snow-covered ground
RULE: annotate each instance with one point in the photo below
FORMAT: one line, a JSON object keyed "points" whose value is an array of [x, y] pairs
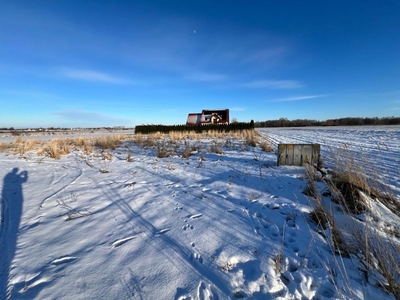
{"points": [[208, 227], [375, 147]]}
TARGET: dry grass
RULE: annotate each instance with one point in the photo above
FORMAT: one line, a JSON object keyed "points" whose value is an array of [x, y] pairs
{"points": [[57, 147], [107, 156], [251, 137], [215, 147], [129, 157], [4, 147], [187, 152], [164, 149], [109, 141], [266, 146], [84, 143], [355, 192], [349, 183], [22, 146]]}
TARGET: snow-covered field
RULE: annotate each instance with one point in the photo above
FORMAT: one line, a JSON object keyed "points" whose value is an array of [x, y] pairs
{"points": [[208, 227], [374, 147]]}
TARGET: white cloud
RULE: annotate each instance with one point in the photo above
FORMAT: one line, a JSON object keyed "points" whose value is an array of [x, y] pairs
{"points": [[93, 76], [298, 98], [273, 84]]}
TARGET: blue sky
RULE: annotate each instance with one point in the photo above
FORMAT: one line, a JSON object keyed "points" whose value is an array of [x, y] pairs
{"points": [[105, 63]]}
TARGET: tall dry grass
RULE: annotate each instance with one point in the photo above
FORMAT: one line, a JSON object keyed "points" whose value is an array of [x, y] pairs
{"points": [[58, 147], [357, 192], [22, 146]]}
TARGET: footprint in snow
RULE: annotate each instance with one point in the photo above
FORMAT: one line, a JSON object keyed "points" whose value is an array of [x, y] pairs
{"points": [[130, 184], [195, 256], [162, 231], [63, 260], [187, 226], [196, 216], [120, 242], [206, 291]]}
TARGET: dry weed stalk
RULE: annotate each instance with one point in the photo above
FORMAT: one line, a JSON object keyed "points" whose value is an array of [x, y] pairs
{"points": [[85, 143], [251, 138], [352, 179], [23, 146], [129, 157], [163, 149], [355, 191], [109, 141], [5, 147], [215, 147], [266, 146], [321, 215], [187, 152], [56, 148]]}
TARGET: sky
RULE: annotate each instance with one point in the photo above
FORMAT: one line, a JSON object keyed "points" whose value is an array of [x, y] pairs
{"points": [[96, 63]]}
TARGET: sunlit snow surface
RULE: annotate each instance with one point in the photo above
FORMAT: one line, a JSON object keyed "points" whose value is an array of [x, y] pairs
{"points": [[175, 228]]}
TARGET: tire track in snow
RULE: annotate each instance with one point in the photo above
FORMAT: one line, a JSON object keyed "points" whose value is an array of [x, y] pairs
{"points": [[174, 252], [64, 185]]}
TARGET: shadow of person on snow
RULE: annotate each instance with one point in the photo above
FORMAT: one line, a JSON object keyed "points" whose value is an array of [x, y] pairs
{"points": [[11, 211]]}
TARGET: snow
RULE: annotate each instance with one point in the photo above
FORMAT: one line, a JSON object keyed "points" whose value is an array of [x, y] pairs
{"points": [[176, 228]]}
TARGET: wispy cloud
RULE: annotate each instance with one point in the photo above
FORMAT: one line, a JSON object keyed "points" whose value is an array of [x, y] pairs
{"points": [[32, 94], [93, 76], [273, 84], [269, 55], [207, 77], [91, 117], [298, 98]]}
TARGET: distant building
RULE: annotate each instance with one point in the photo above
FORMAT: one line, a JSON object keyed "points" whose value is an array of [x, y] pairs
{"points": [[209, 116]]}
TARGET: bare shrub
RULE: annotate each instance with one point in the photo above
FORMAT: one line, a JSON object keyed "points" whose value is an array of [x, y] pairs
{"points": [[149, 141], [163, 150], [215, 147], [187, 152], [266, 146]]}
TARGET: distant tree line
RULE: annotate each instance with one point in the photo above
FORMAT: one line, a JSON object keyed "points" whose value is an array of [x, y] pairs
{"points": [[146, 129], [284, 122]]}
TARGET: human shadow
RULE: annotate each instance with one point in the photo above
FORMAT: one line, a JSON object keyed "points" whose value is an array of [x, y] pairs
{"points": [[11, 211]]}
